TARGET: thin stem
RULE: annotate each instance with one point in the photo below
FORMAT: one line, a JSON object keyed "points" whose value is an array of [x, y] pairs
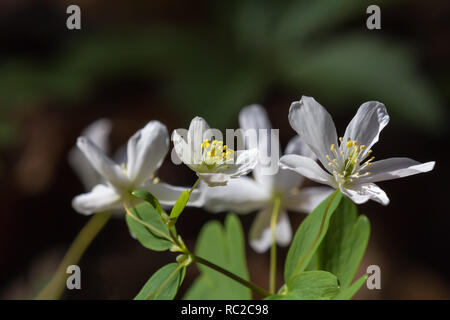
{"points": [[195, 185], [242, 281], [335, 193], [273, 249], [55, 287]]}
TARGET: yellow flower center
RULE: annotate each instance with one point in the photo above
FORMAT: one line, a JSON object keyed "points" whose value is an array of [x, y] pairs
{"points": [[348, 160], [215, 153]]}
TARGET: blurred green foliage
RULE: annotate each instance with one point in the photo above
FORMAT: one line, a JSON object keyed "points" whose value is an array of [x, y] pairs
{"points": [[243, 49]]}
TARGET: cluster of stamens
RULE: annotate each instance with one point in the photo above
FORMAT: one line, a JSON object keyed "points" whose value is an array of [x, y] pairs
{"points": [[348, 160], [215, 153]]}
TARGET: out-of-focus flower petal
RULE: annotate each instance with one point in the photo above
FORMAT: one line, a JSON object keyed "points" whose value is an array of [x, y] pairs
{"points": [[98, 132], [101, 198], [241, 195], [306, 199], [146, 150], [112, 172], [260, 235]]}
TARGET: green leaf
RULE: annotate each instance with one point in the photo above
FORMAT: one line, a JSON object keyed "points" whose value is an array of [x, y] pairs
{"points": [[180, 205], [310, 285], [147, 196], [349, 292], [163, 284], [313, 285], [224, 247], [346, 241], [155, 235], [304, 244]]}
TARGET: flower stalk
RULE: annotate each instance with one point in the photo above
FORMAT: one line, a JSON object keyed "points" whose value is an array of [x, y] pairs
{"points": [[55, 287], [273, 249], [194, 186]]}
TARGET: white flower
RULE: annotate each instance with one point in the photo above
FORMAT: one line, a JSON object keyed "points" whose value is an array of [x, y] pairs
{"points": [[245, 195], [348, 165], [212, 161], [98, 132], [146, 150]]}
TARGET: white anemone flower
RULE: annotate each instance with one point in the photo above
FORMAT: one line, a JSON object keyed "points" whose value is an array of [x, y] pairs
{"points": [[211, 159], [245, 195], [146, 150], [348, 164]]}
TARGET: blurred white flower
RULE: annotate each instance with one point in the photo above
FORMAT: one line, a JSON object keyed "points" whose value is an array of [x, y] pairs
{"points": [[146, 150], [348, 164], [246, 195], [211, 159], [98, 132]]}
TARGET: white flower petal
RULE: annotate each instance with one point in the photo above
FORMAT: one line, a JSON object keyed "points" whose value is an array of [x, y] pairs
{"points": [[245, 161], [306, 199], [367, 124], [83, 168], [101, 198], [314, 125], [360, 193], [241, 195], [394, 168], [181, 147], [196, 135], [197, 128], [260, 235], [168, 194], [297, 146], [306, 167], [214, 179], [146, 150], [254, 117], [120, 156], [98, 132], [284, 230], [285, 180], [109, 170]]}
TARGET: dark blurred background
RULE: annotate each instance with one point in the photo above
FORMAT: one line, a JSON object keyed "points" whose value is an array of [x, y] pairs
{"points": [[171, 60]]}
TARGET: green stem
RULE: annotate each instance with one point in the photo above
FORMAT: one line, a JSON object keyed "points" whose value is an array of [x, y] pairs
{"points": [[273, 249], [195, 185], [302, 260], [54, 289], [242, 281]]}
